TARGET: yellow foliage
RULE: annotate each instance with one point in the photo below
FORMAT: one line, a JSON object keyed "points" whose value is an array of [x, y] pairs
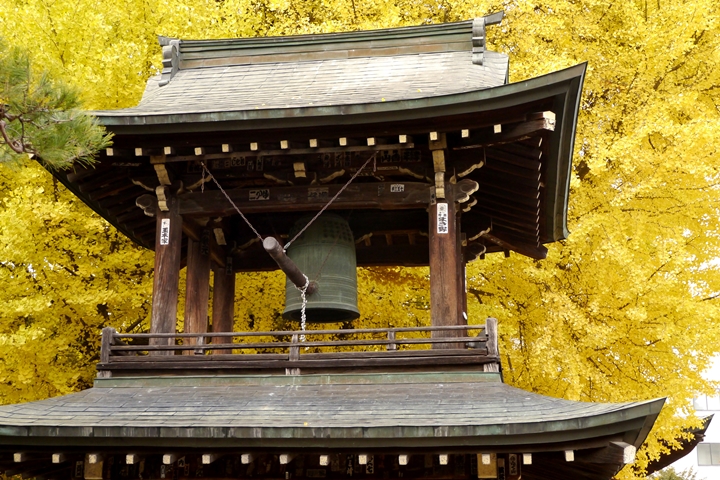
{"points": [[625, 309]]}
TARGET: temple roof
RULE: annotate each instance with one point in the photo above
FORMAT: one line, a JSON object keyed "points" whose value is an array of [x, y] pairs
{"points": [[252, 110], [283, 74], [331, 411]]}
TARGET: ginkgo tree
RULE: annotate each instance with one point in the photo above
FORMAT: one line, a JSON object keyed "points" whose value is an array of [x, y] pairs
{"points": [[625, 309]]}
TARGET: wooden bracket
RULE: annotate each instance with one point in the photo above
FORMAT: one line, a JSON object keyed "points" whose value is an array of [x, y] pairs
{"points": [[464, 188], [140, 183], [439, 160], [439, 167], [219, 236], [440, 185], [466, 167], [473, 250], [162, 193], [470, 204], [299, 168], [158, 162], [438, 141], [148, 203], [163, 174]]}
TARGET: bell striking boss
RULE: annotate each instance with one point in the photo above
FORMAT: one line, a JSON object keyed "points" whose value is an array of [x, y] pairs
{"points": [[325, 252]]}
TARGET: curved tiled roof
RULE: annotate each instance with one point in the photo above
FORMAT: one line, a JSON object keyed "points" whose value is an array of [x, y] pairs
{"points": [[451, 409], [318, 83]]}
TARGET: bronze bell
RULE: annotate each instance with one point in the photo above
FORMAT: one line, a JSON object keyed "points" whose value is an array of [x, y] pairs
{"points": [[325, 252]]}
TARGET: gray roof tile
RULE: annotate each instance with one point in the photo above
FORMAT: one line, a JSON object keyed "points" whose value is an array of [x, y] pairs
{"points": [[350, 81]]}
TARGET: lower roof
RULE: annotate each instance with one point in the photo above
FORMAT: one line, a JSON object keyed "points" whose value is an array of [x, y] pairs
{"points": [[411, 410]]}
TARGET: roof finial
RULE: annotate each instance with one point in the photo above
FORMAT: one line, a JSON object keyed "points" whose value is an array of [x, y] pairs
{"points": [[171, 60], [478, 35]]}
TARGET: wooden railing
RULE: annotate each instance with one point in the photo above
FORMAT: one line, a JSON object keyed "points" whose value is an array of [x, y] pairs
{"points": [[292, 350]]}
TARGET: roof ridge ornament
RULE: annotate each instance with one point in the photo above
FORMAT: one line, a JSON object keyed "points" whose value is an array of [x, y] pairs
{"points": [[171, 58], [478, 35]]}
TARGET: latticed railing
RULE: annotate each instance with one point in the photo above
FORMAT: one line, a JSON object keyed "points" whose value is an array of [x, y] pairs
{"points": [[292, 350]]}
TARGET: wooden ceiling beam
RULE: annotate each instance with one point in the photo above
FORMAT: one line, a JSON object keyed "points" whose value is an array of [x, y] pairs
{"points": [[618, 453], [266, 150], [307, 198], [531, 251], [534, 124]]}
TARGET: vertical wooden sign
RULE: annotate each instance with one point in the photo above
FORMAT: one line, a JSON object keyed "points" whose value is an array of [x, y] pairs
{"points": [[513, 467]]}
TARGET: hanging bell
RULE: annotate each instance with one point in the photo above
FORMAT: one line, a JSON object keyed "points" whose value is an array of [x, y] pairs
{"points": [[325, 252]]}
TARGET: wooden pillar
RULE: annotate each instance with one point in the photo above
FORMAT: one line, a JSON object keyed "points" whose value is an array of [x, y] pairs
{"points": [[223, 314], [444, 278], [460, 272], [168, 246], [445, 248], [197, 293]]}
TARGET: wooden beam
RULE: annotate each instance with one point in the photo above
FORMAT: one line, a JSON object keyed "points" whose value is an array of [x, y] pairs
{"points": [[169, 458], [286, 458], [350, 145], [443, 459], [618, 453], [168, 247], [324, 460], [443, 252], [537, 253], [132, 459], [247, 458], [535, 124], [192, 230], [303, 198], [289, 268], [58, 457], [208, 458], [197, 286], [403, 459]]}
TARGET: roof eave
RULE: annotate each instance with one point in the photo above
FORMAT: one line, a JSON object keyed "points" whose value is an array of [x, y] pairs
{"points": [[123, 122]]}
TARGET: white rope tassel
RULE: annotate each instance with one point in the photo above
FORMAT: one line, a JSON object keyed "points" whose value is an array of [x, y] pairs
{"points": [[304, 304]]}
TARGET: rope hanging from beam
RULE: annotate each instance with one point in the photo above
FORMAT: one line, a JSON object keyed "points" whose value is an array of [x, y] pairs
{"points": [[372, 157], [305, 289]]}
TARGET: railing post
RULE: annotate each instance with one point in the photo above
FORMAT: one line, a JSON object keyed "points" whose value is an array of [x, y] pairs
{"points": [[108, 334], [391, 337], [294, 356], [492, 345], [200, 341]]}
